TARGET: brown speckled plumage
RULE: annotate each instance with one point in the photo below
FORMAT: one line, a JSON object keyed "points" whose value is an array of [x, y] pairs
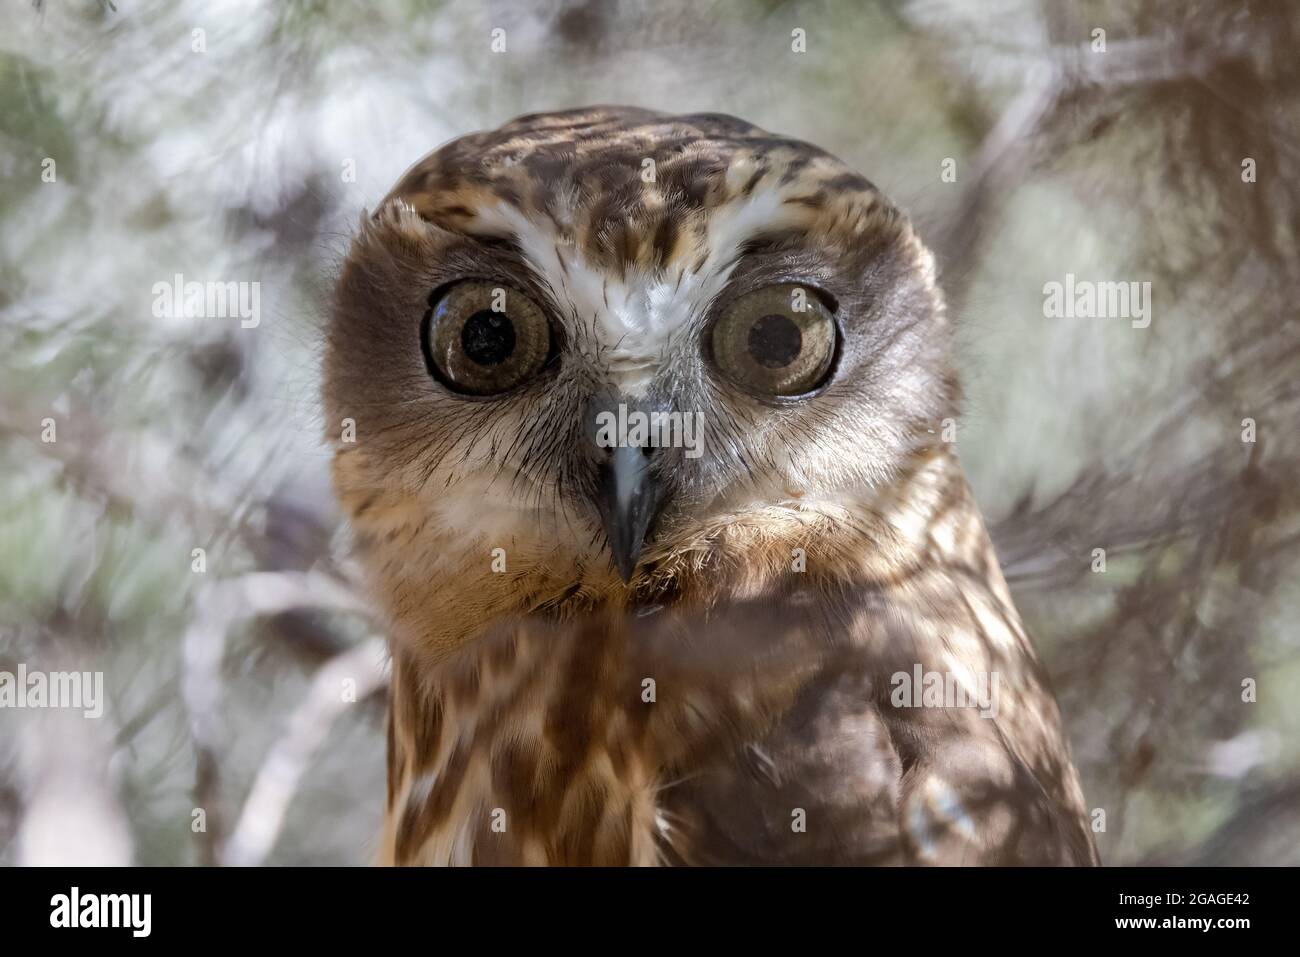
{"points": [[816, 548]]}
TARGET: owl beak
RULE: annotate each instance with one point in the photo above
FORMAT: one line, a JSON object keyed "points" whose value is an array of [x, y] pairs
{"points": [[628, 497]]}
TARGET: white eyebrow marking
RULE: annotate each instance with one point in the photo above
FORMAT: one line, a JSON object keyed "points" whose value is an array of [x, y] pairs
{"points": [[635, 316]]}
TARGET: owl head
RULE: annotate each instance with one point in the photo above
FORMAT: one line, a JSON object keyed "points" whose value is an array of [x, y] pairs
{"points": [[604, 350]]}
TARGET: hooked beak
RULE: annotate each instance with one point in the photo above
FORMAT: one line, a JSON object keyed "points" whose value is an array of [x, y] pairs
{"points": [[628, 498]]}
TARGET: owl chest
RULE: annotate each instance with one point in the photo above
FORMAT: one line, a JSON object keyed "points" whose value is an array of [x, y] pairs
{"points": [[517, 770]]}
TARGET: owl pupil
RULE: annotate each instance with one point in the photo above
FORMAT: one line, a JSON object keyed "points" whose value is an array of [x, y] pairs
{"points": [[774, 341], [488, 338]]}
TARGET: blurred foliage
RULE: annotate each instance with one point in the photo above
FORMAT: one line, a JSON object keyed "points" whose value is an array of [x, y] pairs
{"points": [[228, 164]]}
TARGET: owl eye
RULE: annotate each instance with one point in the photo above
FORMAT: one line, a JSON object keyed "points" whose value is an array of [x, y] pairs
{"points": [[778, 340], [482, 338]]}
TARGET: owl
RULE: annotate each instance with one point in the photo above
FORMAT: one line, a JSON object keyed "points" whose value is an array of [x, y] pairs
{"points": [[648, 461]]}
